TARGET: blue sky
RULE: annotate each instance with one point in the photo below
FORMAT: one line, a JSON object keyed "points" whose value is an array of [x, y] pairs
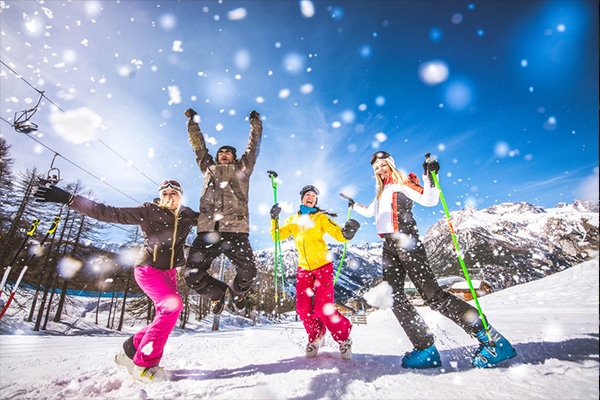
{"points": [[503, 93]]}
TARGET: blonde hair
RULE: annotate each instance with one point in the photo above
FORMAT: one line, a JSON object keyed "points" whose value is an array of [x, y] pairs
{"points": [[398, 176]]}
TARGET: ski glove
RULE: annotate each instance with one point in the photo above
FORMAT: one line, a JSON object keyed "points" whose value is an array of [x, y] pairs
{"points": [[254, 114], [275, 211], [429, 167], [190, 113], [350, 228], [52, 194]]}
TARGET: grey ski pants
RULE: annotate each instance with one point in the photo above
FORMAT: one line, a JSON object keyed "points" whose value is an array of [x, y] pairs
{"points": [[407, 256]]}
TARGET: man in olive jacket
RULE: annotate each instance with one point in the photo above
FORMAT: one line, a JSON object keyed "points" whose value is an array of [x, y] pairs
{"points": [[223, 224]]}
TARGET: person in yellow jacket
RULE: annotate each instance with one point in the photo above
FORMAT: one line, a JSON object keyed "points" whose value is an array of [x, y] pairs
{"points": [[315, 302]]}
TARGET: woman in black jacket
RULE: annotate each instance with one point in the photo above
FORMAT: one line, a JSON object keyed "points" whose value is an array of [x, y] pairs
{"points": [[165, 225]]}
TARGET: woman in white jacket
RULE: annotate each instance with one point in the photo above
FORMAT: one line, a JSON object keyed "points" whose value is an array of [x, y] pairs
{"points": [[404, 254]]}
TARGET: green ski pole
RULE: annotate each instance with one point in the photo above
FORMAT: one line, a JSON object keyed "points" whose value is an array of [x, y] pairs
{"points": [[277, 262], [345, 243], [458, 251]]}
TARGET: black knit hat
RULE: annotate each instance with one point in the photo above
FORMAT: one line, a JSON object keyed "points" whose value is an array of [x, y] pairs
{"points": [[228, 148]]}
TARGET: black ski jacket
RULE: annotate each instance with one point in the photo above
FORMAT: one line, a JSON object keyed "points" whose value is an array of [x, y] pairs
{"points": [[164, 231]]}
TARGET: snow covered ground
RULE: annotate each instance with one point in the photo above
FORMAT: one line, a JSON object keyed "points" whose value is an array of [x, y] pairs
{"points": [[553, 324]]}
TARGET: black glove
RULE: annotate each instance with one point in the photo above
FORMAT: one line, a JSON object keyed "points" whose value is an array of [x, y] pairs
{"points": [[351, 201], [350, 228], [434, 166], [275, 211], [52, 194], [190, 113], [254, 114], [430, 165]]}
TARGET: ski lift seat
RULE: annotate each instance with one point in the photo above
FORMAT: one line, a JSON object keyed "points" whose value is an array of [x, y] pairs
{"points": [[25, 127]]}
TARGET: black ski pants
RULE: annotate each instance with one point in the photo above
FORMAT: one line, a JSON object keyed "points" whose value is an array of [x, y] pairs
{"points": [[405, 255], [209, 245]]}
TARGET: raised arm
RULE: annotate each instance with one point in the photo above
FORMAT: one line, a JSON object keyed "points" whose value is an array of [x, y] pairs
{"points": [[253, 146], [101, 212], [197, 141]]}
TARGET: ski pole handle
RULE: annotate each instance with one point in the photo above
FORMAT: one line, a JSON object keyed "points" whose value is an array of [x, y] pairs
{"points": [[351, 202], [33, 227], [54, 225], [273, 175]]}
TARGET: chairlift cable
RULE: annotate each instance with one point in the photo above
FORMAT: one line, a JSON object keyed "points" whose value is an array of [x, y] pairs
{"points": [[33, 87], [84, 170], [66, 159], [98, 139], [128, 162]]}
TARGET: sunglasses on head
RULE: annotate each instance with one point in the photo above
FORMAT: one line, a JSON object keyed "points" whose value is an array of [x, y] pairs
{"points": [[379, 155], [169, 184]]}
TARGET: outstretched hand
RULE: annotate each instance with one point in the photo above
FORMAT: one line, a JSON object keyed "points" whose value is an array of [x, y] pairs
{"points": [[431, 165], [254, 115], [190, 113], [350, 229], [275, 211], [52, 194], [351, 201]]}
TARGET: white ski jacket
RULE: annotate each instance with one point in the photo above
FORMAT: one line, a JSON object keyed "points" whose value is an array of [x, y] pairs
{"points": [[393, 211]]}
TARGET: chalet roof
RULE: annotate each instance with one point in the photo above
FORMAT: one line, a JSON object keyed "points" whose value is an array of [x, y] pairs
{"points": [[477, 284]]}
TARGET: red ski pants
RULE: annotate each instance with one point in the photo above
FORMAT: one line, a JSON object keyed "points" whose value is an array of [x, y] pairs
{"points": [[315, 304], [161, 287]]}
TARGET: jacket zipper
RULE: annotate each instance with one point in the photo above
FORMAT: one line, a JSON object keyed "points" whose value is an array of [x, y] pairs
{"points": [[173, 239]]}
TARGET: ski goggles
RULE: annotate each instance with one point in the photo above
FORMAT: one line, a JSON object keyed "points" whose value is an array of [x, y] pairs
{"points": [[170, 184], [380, 155], [309, 188]]}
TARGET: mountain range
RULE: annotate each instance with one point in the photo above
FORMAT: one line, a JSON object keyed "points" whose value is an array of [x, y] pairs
{"points": [[505, 244]]}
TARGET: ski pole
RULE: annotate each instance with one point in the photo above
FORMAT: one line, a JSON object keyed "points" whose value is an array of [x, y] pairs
{"points": [[459, 252], [50, 231], [277, 262], [30, 232], [345, 243], [12, 293], [4, 278]]}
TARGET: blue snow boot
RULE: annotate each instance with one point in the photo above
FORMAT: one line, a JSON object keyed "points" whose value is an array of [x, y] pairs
{"points": [[422, 359], [493, 349]]}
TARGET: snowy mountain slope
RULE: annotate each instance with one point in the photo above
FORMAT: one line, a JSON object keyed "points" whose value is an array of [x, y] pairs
{"points": [[516, 242], [552, 322]]}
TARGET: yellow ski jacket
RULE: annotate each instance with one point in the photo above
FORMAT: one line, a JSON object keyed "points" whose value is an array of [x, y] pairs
{"points": [[308, 231]]}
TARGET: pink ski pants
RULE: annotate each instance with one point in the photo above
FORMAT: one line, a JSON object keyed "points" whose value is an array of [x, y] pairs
{"points": [[315, 304], [161, 287]]}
